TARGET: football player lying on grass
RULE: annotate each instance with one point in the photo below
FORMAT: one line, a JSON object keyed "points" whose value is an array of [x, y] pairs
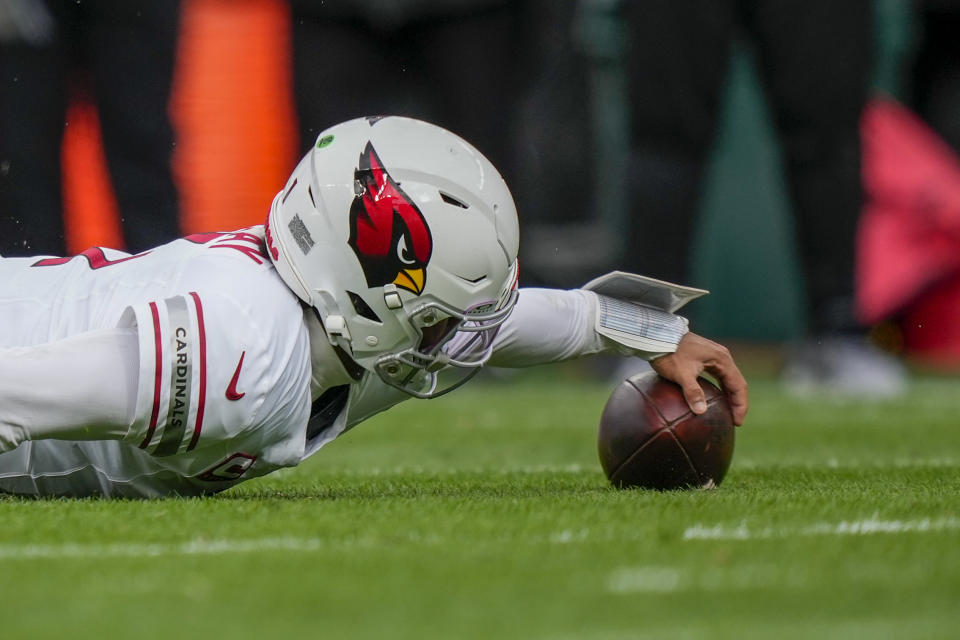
{"points": [[387, 269]]}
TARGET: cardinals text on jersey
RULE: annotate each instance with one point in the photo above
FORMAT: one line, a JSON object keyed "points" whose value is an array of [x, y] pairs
{"points": [[224, 373]]}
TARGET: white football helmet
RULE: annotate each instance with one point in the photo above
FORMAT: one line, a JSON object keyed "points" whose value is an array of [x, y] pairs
{"points": [[403, 237]]}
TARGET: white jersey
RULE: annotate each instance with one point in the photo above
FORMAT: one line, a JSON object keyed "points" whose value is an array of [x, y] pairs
{"points": [[224, 388], [224, 365]]}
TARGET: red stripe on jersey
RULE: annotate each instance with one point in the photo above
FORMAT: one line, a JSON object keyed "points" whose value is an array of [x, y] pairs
{"points": [[158, 370], [198, 425], [254, 253]]}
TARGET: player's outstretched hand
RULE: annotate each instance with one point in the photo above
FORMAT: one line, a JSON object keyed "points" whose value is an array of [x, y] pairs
{"points": [[694, 355]]}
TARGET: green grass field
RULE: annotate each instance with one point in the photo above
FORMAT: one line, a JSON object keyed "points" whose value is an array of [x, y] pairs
{"points": [[484, 514]]}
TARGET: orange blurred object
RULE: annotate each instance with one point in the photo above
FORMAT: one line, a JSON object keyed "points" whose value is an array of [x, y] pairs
{"points": [[234, 120], [90, 210]]}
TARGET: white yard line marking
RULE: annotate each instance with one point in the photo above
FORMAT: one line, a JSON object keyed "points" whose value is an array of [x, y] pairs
{"points": [[869, 526], [644, 580], [799, 575], [655, 578], [129, 550], [850, 463], [573, 468], [665, 579], [661, 579]]}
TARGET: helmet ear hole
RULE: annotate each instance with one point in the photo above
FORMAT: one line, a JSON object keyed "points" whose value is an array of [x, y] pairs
{"points": [[449, 199], [362, 308]]}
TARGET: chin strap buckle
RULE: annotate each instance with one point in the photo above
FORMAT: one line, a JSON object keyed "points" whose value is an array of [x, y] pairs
{"points": [[391, 296], [337, 329]]}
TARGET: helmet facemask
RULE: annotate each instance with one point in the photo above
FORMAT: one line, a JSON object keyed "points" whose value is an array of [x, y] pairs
{"points": [[452, 347]]}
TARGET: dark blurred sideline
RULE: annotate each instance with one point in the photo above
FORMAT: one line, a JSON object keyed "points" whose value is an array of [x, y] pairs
{"points": [[236, 129]]}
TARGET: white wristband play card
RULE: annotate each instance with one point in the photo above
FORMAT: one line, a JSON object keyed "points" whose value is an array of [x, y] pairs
{"points": [[645, 291]]}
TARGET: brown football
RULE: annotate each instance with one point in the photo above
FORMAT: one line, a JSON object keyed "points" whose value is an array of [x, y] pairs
{"points": [[650, 438]]}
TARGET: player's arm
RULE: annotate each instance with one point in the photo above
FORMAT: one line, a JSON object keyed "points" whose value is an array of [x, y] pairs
{"points": [[79, 388], [550, 325]]}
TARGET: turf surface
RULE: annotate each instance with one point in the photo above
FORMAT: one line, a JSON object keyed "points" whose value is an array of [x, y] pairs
{"points": [[485, 515]]}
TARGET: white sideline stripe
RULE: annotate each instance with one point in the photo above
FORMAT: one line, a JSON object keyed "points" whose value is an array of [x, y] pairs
{"points": [[127, 550], [668, 579], [502, 471], [657, 579], [870, 526], [852, 463], [644, 580]]}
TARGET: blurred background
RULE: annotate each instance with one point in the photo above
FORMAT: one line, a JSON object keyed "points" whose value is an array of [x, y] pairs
{"points": [[798, 159]]}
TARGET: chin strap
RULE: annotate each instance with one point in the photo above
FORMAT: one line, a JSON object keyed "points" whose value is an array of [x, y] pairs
{"points": [[353, 369], [335, 326]]}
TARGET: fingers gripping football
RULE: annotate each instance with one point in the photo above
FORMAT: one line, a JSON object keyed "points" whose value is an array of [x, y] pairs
{"points": [[695, 355]]}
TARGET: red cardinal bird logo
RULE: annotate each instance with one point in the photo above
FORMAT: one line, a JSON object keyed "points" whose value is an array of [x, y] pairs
{"points": [[387, 231]]}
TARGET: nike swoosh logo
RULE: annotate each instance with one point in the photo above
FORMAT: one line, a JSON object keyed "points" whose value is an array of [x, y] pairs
{"points": [[232, 387]]}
